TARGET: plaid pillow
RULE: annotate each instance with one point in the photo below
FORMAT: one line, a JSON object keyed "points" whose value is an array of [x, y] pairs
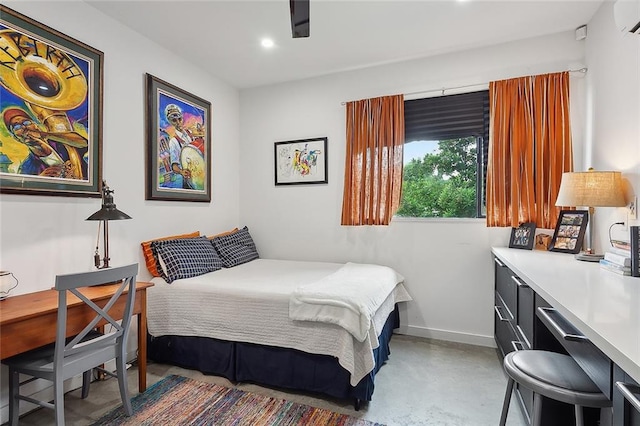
{"points": [[151, 258], [236, 248], [186, 258]]}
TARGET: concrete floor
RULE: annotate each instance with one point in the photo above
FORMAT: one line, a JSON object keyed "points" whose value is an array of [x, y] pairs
{"points": [[425, 382]]}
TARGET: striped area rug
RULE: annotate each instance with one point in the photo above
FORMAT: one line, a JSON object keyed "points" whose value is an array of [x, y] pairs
{"points": [[177, 400]]}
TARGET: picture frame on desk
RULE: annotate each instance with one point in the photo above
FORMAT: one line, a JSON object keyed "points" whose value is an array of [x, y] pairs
{"points": [[569, 232], [543, 241], [523, 236]]}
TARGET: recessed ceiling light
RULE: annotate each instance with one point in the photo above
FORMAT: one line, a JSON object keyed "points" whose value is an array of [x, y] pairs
{"points": [[267, 43]]}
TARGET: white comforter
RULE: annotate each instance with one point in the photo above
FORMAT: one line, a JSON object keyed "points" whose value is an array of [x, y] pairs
{"points": [[349, 297], [250, 303]]}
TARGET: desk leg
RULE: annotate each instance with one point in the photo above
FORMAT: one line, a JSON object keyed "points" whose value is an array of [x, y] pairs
{"points": [[142, 346]]}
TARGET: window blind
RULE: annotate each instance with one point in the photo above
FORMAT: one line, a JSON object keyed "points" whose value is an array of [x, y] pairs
{"points": [[453, 117], [447, 117]]}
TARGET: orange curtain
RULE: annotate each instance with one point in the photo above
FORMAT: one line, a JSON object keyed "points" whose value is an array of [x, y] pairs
{"points": [[373, 164], [529, 149]]}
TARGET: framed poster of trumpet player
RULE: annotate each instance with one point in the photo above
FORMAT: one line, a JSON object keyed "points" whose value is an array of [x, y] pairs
{"points": [[178, 164], [51, 110]]}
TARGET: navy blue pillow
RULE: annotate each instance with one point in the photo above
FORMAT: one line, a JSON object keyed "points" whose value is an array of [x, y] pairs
{"points": [[186, 258], [236, 248]]}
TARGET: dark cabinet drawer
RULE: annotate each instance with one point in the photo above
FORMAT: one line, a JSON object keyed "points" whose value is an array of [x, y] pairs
{"points": [[626, 399], [506, 287], [505, 334], [525, 319], [595, 363]]}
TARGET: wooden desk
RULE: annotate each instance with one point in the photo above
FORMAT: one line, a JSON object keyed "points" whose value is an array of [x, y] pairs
{"points": [[29, 320]]}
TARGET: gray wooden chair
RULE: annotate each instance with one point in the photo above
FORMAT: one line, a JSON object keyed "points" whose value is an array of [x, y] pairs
{"points": [[70, 356], [555, 376]]}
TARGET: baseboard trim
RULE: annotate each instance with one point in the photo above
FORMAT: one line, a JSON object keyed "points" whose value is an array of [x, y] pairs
{"points": [[450, 336]]}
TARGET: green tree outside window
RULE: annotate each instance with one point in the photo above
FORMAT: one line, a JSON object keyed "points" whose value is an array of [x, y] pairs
{"points": [[443, 183]]}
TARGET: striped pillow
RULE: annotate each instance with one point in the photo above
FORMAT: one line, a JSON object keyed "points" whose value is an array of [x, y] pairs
{"points": [[236, 248], [149, 256], [186, 257]]}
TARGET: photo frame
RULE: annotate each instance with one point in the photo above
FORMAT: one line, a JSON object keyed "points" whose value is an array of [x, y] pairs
{"points": [[570, 229], [50, 110], [523, 236], [301, 162], [178, 166], [543, 241]]}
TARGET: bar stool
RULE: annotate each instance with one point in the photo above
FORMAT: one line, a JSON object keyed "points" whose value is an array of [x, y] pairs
{"points": [[553, 375]]}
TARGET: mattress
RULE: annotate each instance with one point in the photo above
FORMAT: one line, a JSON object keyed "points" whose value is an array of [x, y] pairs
{"points": [[250, 303]]}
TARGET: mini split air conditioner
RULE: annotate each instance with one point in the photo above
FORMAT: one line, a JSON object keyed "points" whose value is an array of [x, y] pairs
{"points": [[627, 15]]}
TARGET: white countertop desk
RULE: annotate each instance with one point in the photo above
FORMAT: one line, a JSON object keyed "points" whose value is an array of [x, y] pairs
{"points": [[603, 305]]}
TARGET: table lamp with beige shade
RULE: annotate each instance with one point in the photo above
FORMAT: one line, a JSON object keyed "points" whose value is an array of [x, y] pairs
{"points": [[591, 189]]}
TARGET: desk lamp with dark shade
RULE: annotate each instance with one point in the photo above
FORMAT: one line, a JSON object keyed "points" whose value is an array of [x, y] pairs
{"points": [[107, 213], [591, 189]]}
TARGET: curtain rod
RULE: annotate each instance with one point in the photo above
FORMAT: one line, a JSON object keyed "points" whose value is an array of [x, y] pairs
{"points": [[443, 89]]}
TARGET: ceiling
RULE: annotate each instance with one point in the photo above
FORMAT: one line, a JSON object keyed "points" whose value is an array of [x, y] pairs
{"points": [[223, 37]]}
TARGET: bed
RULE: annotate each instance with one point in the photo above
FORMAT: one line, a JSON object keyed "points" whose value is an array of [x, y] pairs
{"points": [[280, 323]]}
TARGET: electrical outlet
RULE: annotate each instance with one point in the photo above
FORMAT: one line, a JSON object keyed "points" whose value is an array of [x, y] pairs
{"points": [[633, 209]]}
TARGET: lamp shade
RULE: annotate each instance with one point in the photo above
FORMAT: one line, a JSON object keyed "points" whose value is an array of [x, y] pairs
{"points": [[108, 210], [591, 189], [109, 213]]}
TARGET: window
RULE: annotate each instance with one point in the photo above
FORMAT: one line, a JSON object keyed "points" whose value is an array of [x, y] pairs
{"points": [[445, 156]]}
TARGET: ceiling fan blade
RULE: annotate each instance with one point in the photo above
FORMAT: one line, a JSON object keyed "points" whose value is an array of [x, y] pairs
{"points": [[299, 18]]}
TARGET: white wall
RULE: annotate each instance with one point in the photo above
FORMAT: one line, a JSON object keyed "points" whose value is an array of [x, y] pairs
{"points": [[42, 236], [613, 113], [447, 263]]}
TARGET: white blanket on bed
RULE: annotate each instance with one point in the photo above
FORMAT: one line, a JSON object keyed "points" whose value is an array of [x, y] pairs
{"points": [[250, 303], [349, 297]]}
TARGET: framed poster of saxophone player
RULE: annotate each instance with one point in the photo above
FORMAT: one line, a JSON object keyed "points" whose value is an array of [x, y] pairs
{"points": [[50, 110], [178, 144]]}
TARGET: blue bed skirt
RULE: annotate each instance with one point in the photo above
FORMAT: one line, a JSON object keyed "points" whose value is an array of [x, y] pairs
{"points": [[271, 366]]}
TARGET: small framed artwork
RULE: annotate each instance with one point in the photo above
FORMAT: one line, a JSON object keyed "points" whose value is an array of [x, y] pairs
{"points": [[178, 166], [51, 107], [569, 232], [300, 162], [543, 241], [523, 236]]}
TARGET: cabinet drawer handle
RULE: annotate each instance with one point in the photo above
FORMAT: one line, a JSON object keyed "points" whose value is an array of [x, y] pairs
{"points": [[500, 316], [519, 282], [628, 395], [515, 344], [524, 337], [558, 328], [495, 259]]}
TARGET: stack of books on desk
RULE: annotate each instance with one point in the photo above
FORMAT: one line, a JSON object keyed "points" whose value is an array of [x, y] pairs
{"points": [[618, 260]]}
